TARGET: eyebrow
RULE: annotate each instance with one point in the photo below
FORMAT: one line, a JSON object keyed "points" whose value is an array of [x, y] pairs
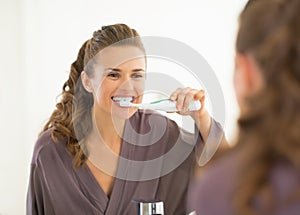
{"points": [[119, 70]]}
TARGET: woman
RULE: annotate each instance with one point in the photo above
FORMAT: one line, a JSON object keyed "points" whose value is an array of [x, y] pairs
{"points": [[95, 156], [261, 174]]}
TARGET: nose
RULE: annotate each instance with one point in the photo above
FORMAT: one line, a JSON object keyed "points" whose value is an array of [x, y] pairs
{"points": [[127, 84]]}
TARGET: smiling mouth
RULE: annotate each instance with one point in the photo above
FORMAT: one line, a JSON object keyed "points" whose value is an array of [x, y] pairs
{"points": [[118, 99]]}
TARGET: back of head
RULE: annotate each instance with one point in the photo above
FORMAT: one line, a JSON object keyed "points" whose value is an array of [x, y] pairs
{"points": [[72, 118], [269, 31]]}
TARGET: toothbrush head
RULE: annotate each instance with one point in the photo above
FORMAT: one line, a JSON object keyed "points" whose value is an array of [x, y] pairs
{"points": [[125, 102]]}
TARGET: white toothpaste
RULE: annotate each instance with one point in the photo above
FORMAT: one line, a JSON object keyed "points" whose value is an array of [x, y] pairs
{"points": [[162, 105]]}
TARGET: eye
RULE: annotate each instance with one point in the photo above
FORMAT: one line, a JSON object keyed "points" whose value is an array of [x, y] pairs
{"points": [[137, 75], [113, 75]]}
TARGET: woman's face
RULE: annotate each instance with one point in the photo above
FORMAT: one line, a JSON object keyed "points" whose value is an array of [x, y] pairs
{"points": [[119, 72]]}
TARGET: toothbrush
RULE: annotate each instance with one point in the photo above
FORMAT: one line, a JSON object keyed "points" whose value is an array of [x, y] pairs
{"points": [[162, 105]]}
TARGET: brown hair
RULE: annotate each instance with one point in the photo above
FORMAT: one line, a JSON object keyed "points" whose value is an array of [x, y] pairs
{"points": [[72, 120], [269, 30]]}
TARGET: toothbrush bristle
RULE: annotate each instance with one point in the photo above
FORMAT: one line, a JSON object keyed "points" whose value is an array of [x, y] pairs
{"points": [[125, 102]]}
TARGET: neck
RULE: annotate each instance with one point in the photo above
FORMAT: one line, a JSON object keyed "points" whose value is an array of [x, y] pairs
{"points": [[109, 128]]}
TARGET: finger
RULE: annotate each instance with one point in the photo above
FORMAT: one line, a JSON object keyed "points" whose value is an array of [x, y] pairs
{"points": [[174, 95], [180, 100], [187, 100], [200, 96]]}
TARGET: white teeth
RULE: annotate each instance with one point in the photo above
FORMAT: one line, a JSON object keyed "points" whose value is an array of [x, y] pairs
{"points": [[125, 99]]}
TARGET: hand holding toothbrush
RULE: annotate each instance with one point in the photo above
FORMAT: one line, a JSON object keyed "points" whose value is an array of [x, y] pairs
{"points": [[183, 97], [186, 101]]}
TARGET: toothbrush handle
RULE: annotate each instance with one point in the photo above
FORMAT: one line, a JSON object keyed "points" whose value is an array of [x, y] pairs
{"points": [[170, 106], [194, 105]]}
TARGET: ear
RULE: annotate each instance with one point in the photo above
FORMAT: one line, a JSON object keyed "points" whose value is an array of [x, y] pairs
{"points": [[248, 74], [86, 82]]}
